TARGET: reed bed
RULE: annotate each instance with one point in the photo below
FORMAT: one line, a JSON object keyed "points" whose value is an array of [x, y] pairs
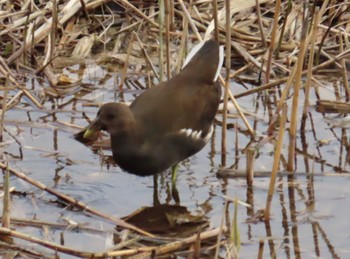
{"points": [[277, 48]]}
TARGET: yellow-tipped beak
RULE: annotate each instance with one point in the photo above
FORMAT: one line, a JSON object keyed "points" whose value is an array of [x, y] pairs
{"points": [[88, 133]]}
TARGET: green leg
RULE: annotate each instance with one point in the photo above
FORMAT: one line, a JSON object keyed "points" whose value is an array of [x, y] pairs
{"points": [[174, 191], [173, 174]]}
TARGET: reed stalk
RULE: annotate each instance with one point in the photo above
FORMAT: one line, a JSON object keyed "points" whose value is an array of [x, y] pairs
{"points": [[297, 83], [6, 200], [272, 42], [6, 209], [167, 38], [344, 70], [235, 236], [310, 63], [216, 20], [54, 29], [227, 83], [4, 107], [276, 162], [161, 44], [190, 20], [258, 11], [289, 8]]}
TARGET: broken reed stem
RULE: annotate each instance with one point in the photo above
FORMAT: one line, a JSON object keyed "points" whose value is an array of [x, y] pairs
{"points": [[74, 202], [227, 83], [311, 61], [276, 162], [294, 113], [216, 20], [4, 107], [250, 154], [344, 70], [273, 38], [6, 200], [258, 11], [167, 38], [161, 45]]}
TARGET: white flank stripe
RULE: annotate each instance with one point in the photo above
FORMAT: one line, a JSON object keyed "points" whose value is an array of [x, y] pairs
{"points": [[194, 134]]}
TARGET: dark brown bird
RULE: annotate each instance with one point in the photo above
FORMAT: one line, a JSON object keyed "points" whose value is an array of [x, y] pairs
{"points": [[168, 122]]}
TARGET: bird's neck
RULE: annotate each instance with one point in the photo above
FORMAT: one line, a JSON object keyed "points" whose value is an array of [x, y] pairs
{"points": [[128, 137]]}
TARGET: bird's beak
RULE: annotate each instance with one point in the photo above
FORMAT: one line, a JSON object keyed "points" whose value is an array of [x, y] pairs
{"points": [[94, 127]]}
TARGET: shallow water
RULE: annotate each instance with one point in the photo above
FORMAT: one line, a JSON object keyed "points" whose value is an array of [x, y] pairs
{"points": [[309, 215]]}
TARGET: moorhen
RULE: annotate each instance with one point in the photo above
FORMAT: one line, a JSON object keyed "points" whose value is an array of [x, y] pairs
{"points": [[168, 122]]}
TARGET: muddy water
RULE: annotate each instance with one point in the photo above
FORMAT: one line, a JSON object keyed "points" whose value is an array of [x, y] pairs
{"points": [[310, 215]]}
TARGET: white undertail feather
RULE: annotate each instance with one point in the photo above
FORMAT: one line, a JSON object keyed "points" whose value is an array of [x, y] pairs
{"points": [[193, 52], [221, 62]]}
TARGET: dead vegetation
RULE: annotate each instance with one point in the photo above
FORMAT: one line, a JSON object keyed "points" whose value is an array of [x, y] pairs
{"points": [[278, 48]]}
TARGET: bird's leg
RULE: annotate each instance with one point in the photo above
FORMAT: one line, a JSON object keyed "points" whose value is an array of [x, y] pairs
{"points": [[155, 191], [174, 191], [173, 174]]}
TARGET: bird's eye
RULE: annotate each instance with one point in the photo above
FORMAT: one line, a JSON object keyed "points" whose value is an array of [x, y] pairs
{"points": [[110, 116]]}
